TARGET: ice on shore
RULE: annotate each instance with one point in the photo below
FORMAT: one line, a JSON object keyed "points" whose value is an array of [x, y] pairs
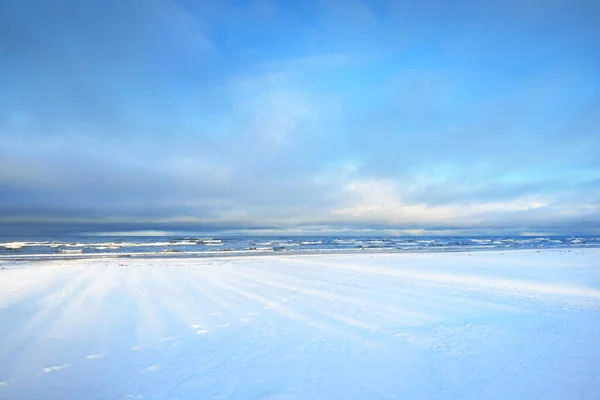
{"points": [[487, 325]]}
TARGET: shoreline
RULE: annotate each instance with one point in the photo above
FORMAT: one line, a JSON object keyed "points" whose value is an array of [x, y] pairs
{"points": [[55, 248], [251, 254]]}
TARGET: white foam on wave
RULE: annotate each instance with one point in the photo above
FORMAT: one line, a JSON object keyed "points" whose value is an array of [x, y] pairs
{"points": [[118, 245], [344, 241], [102, 245], [14, 245], [480, 240], [209, 241], [25, 243]]}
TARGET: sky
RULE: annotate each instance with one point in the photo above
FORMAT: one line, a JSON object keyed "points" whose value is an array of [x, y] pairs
{"points": [[314, 116]]}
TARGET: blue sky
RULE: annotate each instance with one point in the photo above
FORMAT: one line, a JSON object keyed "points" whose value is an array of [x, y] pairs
{"points": [[399, 117]]}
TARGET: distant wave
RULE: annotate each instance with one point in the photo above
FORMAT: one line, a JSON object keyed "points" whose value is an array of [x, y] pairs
{"points": [[208, 241], [145, 246], [13, 245], [481, 240], [110, 245], [344, 241]]}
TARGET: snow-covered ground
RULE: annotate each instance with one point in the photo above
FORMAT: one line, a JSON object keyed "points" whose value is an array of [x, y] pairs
{"points": [[485, 325]]}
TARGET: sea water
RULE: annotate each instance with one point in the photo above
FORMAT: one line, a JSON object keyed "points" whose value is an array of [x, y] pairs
{"points": [[208, 245]]}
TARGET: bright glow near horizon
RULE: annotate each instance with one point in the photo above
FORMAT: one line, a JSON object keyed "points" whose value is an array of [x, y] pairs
{"points": [[318, 116]]}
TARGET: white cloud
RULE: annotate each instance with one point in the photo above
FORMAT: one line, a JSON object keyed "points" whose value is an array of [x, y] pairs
{"points": [[380, 200]]}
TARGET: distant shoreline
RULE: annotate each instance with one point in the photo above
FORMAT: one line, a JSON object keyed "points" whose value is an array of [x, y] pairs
{"points": [[273, 253]]}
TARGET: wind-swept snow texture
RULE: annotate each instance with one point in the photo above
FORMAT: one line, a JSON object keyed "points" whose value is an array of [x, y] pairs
{"points": [[485, 325]]}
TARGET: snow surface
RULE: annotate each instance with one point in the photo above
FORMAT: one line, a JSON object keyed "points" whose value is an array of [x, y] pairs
{"points": [[484, 325]]}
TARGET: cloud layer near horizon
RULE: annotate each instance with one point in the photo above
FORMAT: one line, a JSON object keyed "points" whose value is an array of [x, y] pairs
{"points": [[319, 116]]}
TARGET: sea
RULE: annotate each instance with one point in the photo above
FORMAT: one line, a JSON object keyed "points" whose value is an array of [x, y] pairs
{"points": [[210, 246]]}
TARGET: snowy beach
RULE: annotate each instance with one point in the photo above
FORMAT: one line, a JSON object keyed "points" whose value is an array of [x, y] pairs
{"points": [[522, 324]]}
